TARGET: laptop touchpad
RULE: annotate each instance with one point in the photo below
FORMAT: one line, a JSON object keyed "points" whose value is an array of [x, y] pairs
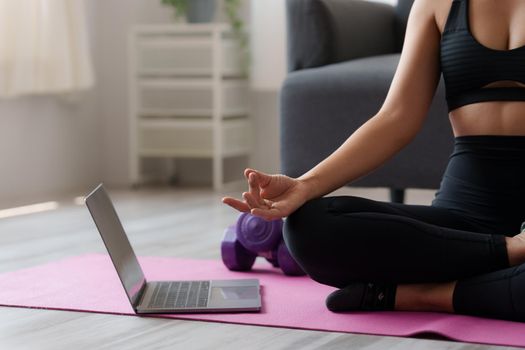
{"points": [[234, 293]]}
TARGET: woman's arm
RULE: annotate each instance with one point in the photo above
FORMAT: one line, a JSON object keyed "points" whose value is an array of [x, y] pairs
{"points": [[386, 133], [401, 116]]}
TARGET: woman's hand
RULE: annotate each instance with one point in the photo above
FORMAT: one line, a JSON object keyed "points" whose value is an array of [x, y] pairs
{"points": [[270, 196]]}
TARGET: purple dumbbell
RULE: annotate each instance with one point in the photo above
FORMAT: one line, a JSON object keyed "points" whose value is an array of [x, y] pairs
{"points": [[252, 236]]}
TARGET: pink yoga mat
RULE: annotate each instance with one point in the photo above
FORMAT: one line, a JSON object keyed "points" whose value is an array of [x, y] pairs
{"points": [[90, 283]]}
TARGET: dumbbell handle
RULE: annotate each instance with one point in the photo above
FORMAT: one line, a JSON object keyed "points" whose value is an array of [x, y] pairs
{"points": [[267, 255]]}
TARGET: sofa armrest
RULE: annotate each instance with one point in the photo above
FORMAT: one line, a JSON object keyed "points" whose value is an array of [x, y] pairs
{"points": [[322, 32]]}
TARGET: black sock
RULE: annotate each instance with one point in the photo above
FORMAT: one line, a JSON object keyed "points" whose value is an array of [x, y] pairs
{"points": [[363, 296]]}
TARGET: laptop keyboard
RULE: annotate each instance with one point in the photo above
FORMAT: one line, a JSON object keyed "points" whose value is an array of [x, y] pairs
{"points": [[187, 294]]}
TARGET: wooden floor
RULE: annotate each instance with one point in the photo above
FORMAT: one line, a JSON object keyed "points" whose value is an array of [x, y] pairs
{"points": [[162, 222]]}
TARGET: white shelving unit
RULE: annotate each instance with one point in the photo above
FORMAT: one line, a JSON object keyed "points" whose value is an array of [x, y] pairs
{"points": [[188, 96]]}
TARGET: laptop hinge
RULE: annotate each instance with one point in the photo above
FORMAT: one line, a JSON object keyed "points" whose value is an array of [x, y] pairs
{"points": [[140, 295]]}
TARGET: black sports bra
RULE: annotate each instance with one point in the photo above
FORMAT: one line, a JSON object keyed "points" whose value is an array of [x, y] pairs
{"points": [[467, 65]]}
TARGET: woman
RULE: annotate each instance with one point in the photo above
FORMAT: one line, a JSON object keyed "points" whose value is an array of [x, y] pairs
{"points": [[465, 252]]}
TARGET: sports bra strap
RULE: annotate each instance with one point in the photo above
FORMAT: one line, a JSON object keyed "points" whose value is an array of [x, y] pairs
{"points": [[457, 17]]}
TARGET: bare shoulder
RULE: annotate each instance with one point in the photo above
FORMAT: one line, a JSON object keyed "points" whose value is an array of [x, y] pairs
{"points": [[421, 13], [435, 10]]}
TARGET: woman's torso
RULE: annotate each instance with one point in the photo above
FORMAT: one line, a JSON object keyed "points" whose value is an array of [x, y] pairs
{"points": [[498, 25]]}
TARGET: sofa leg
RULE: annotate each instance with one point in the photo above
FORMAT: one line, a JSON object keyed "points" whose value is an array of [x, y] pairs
{"points": [[397, 195]]}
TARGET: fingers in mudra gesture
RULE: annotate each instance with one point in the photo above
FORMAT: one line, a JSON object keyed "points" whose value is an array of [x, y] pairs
{"points": [[269, 196]]}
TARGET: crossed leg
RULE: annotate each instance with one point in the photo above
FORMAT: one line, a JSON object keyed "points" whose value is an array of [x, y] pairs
{"points": [[422, 249]]}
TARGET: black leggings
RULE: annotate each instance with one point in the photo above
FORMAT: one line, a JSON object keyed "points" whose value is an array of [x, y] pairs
{"points": [[461, 236]]}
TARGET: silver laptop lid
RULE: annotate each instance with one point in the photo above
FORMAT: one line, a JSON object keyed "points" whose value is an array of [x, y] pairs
{"points": [[117, 243]]}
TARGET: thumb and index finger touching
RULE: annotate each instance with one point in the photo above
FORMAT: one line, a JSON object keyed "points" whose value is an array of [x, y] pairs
{"points": [[262, 182], [261, 178], [256, 182]]}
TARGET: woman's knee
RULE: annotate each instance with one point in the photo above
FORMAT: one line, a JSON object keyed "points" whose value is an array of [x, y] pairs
{"points": [[328, 245], [316, 219], [310, 235], [302, 232], [303, 223]]}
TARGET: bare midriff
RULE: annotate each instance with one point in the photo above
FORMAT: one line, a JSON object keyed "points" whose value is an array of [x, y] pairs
{"points": [[490, 117]]}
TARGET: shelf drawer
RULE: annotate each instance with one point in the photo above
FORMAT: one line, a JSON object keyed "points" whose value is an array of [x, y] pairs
{"points": [[192, 139], [185, 57], [190, 98]]}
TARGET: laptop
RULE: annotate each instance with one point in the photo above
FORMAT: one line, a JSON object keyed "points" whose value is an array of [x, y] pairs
{"points": [[240, 295]]}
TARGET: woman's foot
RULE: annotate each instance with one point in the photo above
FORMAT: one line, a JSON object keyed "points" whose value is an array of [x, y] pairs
{"points": [[361, 296], [516, 248], [425, 297]]}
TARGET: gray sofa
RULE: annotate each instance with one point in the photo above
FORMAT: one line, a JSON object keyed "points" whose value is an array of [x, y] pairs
{"points": [[342, 55]]}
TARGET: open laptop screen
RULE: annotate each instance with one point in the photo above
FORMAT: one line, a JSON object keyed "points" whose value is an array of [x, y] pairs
{"points": [[116, 241]]}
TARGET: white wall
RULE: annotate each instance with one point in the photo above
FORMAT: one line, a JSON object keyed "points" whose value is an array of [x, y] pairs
{"points": [[47, 146], [268, 38]]}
